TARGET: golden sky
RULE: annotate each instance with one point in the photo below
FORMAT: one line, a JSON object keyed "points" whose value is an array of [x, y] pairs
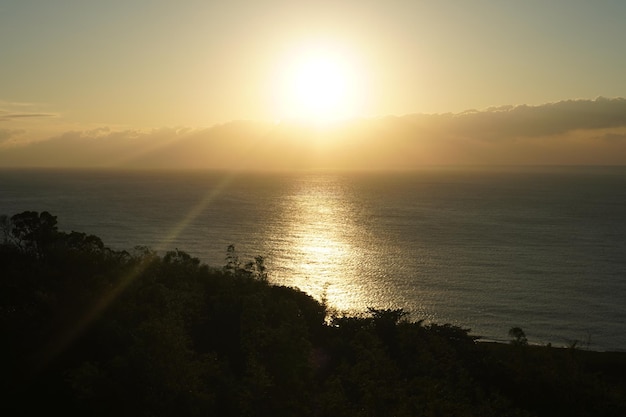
{"points": [[395, 83]]}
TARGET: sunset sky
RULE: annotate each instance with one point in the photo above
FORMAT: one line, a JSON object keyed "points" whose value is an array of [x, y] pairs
{"points": [[403, 82]]}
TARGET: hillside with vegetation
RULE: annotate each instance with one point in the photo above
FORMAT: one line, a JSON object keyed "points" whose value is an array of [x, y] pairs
{"points": [[88, 330]]}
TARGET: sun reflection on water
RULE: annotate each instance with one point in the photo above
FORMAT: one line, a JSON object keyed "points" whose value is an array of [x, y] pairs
{"points": [[320, 231]]}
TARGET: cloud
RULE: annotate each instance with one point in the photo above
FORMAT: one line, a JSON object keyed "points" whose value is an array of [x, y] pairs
{"points": [[588, 132], [508, 122], [157, 148], [11, 111], [614, 137], [7, 134], [6, 116]]}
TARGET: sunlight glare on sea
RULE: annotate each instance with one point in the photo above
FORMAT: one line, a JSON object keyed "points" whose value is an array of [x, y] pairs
{"points": [[319, 225]]}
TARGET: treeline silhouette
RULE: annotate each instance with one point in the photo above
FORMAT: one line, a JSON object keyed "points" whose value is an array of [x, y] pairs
{"points": [[87, 330]]}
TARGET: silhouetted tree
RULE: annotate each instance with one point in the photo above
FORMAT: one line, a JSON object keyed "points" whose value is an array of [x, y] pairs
{"points": [[232, 260], [257, 269], [82, 242], [5, 229], [33, 232], [519, 337]]}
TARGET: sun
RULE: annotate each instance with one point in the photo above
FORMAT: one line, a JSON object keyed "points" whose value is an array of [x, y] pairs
{"points": [[320, 87], [318, 84]]}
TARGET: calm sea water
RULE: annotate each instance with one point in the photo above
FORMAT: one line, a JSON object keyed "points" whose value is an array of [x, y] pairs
{"points": [[543, 248]]}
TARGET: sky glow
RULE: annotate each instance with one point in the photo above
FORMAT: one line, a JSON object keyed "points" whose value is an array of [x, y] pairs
{"points": [[143, 66]]}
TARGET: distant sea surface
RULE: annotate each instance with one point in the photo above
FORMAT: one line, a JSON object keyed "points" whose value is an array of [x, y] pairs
{"points": [[487, 249]]}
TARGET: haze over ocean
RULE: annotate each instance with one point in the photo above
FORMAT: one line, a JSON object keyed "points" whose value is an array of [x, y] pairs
{"points": [[488, 249]]}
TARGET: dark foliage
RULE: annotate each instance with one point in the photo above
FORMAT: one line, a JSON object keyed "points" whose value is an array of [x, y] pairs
{"points": [[92, 331]]}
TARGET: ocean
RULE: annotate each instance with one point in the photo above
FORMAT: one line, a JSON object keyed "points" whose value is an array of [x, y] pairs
{"points": [[488, 249]]}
